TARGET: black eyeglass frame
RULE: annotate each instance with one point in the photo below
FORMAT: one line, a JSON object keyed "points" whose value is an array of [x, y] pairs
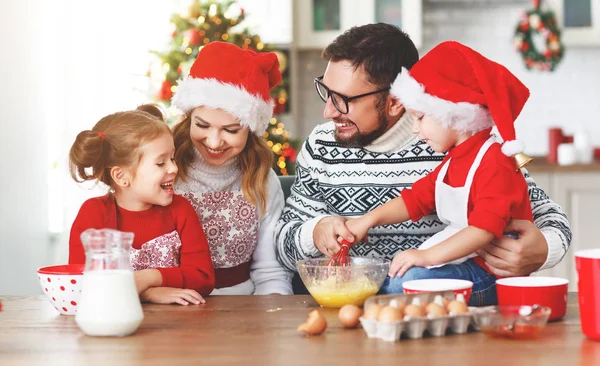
{"points": [[319, 81]]}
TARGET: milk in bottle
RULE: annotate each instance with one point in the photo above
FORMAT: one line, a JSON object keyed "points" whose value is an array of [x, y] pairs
{"points": [[109, 303]]}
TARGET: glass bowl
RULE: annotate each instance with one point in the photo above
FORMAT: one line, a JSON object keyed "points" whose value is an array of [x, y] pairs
{"points": [[512, 321], [336, 286]]}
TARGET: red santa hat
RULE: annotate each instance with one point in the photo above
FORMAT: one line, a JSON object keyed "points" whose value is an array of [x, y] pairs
{"points": [[465, 91], [237, 81]]}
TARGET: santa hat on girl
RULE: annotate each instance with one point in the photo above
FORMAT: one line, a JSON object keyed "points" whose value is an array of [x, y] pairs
{"points": [[465, 91], [237, 81]]}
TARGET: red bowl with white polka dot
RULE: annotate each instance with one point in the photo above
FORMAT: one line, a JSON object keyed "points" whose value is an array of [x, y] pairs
{"points": [[62, 286]]}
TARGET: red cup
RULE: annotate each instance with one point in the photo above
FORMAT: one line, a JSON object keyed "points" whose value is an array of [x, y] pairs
{"points": [[588, 284], [463, 287], [544, 291]]}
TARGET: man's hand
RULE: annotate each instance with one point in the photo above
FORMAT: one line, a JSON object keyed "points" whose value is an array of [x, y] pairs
{"points": [[403, 261], [508, 257], [170, 295], [326, 232]]}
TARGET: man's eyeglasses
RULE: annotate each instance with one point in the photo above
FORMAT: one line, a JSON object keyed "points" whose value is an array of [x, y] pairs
{"points": [[340, 102]]}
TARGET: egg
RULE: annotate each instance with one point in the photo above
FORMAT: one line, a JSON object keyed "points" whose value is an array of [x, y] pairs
{"points": [[457, 307], [389, 314], [434, 310], [314, 325], [349, 315], [397, 304], [372, 312], [414, 309]]}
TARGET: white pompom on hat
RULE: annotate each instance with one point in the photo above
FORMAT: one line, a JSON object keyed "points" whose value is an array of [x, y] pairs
{"points": [[462, 89], [235, 80]]}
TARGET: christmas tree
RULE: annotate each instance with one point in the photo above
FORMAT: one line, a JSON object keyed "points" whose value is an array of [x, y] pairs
{"points": [[207, 21]]}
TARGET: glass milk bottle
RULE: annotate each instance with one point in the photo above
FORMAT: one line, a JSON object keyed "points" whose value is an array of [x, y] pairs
{"points": [[109, 304]]}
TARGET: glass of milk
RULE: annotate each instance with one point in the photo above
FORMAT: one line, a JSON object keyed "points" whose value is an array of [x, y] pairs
{"points": [[109, 304]]}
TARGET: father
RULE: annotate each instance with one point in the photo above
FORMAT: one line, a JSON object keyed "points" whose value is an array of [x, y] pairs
{"points": [[367, 154]]}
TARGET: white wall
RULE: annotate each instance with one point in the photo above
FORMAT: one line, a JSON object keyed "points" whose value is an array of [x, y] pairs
{"points": [[567, 98], [23, 197], [64, 65]]}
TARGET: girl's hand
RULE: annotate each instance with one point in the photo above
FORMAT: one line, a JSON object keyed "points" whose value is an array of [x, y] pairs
{"points": [[403, 261], [358, 227], [171, 295], [147, 278]]}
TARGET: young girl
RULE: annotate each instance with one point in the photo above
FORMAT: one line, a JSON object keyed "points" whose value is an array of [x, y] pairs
{"points": [[454, 96], [225, 165], [133, 154]]}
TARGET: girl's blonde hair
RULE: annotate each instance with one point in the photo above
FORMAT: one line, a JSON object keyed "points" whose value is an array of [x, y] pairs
{"points": [[255, 162], [115, 141]]}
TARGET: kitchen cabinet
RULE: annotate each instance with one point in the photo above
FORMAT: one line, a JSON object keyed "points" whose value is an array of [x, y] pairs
{"points": [[579, 21], [318, 22], [577, 191]]}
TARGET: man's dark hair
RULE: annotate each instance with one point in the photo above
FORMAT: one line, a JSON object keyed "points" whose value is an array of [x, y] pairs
{"points": [[382, 49]]}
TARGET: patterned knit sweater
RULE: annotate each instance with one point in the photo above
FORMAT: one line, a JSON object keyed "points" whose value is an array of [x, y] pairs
{"points": [[238, 234], [336, 180]]}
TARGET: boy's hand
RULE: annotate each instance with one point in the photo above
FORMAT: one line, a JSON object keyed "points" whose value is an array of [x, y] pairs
{"points": [[406, 259], [358, 227], [171, 295]]}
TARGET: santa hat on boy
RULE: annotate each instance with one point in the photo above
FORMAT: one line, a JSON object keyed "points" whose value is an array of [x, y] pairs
{"points": [[237, 81], [465, 91]]}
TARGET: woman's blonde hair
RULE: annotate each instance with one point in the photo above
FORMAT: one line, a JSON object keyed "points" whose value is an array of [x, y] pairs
{"points": [[255, 162], [115, 141]]}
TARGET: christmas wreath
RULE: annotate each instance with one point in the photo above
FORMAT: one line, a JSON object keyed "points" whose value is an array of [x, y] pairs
{"points": [[543, 23]]}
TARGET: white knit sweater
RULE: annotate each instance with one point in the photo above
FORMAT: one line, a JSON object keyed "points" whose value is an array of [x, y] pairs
{"points": [[236, 231], [336, 180]]}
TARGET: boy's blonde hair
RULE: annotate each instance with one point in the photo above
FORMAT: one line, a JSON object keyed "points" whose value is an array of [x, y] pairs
{"points": [[115, 141]]}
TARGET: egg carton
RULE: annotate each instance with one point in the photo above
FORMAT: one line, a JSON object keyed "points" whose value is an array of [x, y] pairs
{"points": [[416, 327]]}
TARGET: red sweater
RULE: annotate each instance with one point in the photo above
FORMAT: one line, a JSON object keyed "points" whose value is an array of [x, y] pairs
{"points": [[498, 193], [195, 270]]}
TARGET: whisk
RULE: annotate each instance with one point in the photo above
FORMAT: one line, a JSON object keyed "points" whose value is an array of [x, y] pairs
{"points": [[342, 257]]}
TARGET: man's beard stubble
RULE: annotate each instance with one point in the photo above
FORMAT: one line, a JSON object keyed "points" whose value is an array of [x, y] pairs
{"points": [[360, 140]]}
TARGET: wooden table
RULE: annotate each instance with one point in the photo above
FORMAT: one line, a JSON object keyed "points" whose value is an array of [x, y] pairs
{"points": [[261, 330]]}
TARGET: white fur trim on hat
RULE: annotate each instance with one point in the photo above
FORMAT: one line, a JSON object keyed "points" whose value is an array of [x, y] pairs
{"points": [[512, 148], [461, 116], [251, 110]]}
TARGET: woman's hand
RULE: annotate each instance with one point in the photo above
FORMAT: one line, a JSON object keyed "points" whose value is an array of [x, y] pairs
{"points": [[171, 295]]}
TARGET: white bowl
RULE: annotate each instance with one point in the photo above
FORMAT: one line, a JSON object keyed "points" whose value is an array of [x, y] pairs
{"points": [[463, 287], [62, 286]]}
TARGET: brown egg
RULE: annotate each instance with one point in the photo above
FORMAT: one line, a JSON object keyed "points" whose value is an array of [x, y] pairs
{"points": [[414, 310], [397, 304], [389, 314], [349, 315], [457, 307], [434, 310], [372, 312], [315, 324]]}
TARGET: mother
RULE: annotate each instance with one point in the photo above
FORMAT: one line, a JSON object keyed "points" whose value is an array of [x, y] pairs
{"points": [[225, 165]]}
